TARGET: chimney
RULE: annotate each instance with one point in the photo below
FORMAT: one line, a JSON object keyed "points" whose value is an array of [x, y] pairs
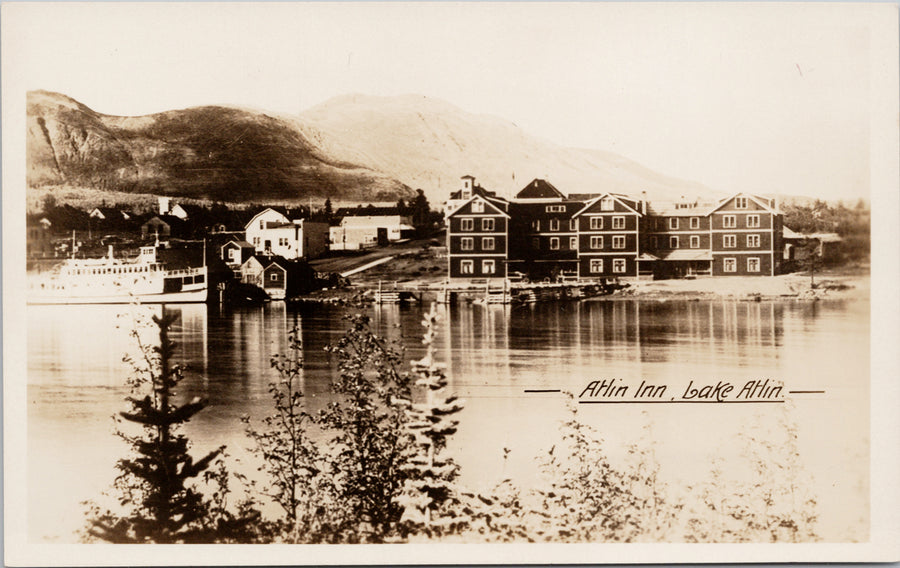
{"points": [[644, 202], [164, 205]]}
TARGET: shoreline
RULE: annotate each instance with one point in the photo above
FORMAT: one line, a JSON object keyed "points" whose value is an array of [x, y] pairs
{"points": [[784, 287]]}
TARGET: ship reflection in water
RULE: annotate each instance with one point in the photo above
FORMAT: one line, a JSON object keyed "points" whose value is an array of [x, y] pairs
{"points": [[511, 364]]}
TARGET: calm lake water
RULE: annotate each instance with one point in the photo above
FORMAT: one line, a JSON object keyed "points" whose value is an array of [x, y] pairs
{"points": [[494, 354]]}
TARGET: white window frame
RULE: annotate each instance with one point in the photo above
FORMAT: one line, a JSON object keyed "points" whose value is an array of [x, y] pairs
{"points": [[554, 243], [695, 241], [596, 223], [555, 209], [487, 224], [554, 224], [750, 261], [573, 224], [597, 242], [596, 265], [618, 241], [488, 266], [619, 266], [752, 241], [729, 221], [607, 204], [673, 242], [618, 222], [467, 224], [273, 276], [695, 222], [753, 221], [478, 207], [673, 222], [740, 202], [487, 243], [467, 267], [536, 224], [732, 262], [466, 243], [573, 243]]}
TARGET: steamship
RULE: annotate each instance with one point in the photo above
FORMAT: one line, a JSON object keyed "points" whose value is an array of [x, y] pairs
{"points": [[110, 280]]}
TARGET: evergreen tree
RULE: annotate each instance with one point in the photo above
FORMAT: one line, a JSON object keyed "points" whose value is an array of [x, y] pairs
{"points": [[430, 495], [420, 212], [329, 212], [159, 506]]}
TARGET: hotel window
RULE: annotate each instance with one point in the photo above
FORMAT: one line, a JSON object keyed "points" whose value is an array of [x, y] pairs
{"points": [[740, 202], [619, 265], [753, 264], [487, 243], [554, 224], [273, 277], [536, 243], [729, 221], [596, 222], [555, 209], [536, 224], [467, 243], [554, 243], [695, 241], [730, 265], [596, 242], [729, 241], [618, 242], [256, 241], [478, 207], [573, 243], [487, 266], [673, 242], [467, 224], [596, 265], [753, 241], [695, 222], [606, 204], [467, 267], [673, 222], [753, 221], [573, 224], [618, 222], [487, 224]]}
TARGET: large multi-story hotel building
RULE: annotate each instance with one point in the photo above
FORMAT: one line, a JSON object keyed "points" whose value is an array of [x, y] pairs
{"points": [[545, 234]]}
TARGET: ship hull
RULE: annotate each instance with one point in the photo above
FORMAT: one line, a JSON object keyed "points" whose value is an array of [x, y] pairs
{"points": [[183, 297]]}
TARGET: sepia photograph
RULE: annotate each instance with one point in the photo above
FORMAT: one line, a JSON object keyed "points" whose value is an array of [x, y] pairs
{"points": [[468, 281]]}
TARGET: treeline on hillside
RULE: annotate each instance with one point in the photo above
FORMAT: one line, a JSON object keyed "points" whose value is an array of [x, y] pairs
{"points": [[852, 224]]}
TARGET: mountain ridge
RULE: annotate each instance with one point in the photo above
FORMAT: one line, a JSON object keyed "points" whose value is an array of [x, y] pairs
{"points": [[353, 147]]}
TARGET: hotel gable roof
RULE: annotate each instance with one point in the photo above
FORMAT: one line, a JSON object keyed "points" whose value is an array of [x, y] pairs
{"points": [[631, 205], [498, 205]]}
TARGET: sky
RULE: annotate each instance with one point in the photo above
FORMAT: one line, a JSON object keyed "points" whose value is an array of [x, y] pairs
{"points": [[768, 98]]}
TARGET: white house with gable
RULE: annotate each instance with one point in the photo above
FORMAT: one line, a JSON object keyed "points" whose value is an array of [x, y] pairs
{"points": [[272, 233]]}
